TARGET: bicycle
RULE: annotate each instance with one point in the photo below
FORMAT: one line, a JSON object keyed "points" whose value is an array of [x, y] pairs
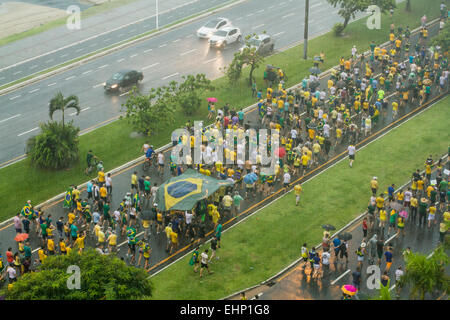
{"points": [[148, 162]]}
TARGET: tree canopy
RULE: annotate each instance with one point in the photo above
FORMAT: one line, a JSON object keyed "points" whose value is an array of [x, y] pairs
{"points": [[102, 277]]}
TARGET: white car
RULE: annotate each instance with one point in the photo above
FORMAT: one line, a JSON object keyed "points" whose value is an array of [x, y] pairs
{"points": [[225, 36], [212, 26]]}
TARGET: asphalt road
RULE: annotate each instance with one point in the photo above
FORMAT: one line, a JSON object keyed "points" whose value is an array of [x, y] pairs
{"points": [[294, 284], [162, 59], [121, 184]]}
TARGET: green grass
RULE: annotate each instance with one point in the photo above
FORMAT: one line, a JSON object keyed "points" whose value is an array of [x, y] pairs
{"points": [[46, 184], [271, 239]]}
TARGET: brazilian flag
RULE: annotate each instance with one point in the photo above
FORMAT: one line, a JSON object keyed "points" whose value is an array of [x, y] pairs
{"points": [[27, 212], [185, 191], [68, 199]]}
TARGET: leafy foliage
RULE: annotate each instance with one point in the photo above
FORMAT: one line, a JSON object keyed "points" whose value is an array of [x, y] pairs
{"points": [[426, 275], [58, 102], [56, 147], [338, 28], [349, 8], [247, 56], [384, 293], [188, 92], [102, 277], [443, 39]]}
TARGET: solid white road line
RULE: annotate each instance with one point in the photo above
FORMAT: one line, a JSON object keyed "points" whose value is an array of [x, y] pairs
{"points": [[123, 94], [21, 134], [187, 52], [150, 66], [339, 278], [17, 115], [97, 85], [71, 77], [12, 98], [172, 75], [34, 90], [51, 84], [148, 50], [103, 66]]}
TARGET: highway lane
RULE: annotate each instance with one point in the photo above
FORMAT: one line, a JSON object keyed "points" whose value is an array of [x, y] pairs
{"points": [[174, 54], [170, 12], [121, 183]]}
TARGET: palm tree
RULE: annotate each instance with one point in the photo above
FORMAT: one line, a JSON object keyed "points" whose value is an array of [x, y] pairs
{"points": [[427, 275], [384, 293], [58, 102]]}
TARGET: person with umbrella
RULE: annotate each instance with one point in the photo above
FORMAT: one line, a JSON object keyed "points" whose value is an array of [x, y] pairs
{"points": [[348, 291]]}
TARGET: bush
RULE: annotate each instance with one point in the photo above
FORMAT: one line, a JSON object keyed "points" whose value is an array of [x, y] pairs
{"points": [[56, 147], [338, 28]]}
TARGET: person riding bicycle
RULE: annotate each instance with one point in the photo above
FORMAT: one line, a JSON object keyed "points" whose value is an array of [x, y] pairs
{"points": [[149, 154]]}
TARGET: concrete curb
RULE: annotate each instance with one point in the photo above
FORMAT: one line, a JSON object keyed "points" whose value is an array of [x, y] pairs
{"points": [[128, 43]]}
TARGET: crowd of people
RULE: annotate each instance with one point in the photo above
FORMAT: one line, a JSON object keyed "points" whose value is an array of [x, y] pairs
{"points": [[312, 122]]}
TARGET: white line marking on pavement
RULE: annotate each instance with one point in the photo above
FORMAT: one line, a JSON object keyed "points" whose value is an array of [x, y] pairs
{"points": [[51, 84], [86, 72], [35, 66], [148, 50], [189, 36], [120, 60], [210, 60], [103, 66], [70, 78], [187, 52], [123, 94], [21, 134], [259, 26], [316, 5], [388, 240], [172, 75], [34, 90], [249, 15], [93, 45], [121, 35], [106, 40], [240, 18], [176, 40], [279, 34], [15, 97], [49, 61], [288, 15], [133, 55], [64, 55], [74, 113], [78, 50], [163, 45], [339, 278], [17, 115], [260, 11], [97, 85], [17, 72], [150, 66]]}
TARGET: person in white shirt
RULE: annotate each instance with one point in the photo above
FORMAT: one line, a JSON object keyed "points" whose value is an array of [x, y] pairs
{"points": [[325, 262], [161, 163], [204, 262], [398, 275], [367, 126], [286, 179], [351, 154], [108, 184], [12, 274], [354, 50], [326, 130]]}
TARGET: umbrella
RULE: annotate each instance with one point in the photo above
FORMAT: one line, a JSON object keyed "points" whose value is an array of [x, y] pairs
{"points": [[427, 82], [328, 227], [314, 70], [313, 85], [211, 99], [21, 237], [349, 289], [345, 236], [403, 214], [280, 152], [250, 178], [396, 206]]}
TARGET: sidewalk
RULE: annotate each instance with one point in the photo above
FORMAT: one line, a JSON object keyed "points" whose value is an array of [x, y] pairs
{"points": [[58, 37]]}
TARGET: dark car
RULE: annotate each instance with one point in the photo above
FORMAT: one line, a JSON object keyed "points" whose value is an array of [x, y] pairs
{"points": [[123, 79], [263, 43]]}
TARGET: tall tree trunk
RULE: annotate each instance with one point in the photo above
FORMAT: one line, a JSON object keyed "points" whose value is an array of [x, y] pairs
{"points": [[251, 74], [408, 5], [346, 21], [62, 117]]}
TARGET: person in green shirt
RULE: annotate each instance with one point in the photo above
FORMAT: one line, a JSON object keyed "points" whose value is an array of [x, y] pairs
{"points": [[422, 211], [237, 201], [106, 215], [218, 233], [44, 232], [27, 250], [392, 219], [147, 187]]}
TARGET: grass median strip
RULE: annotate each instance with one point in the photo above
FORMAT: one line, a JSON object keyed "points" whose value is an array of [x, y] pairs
{"points": [[20, 182], [271, 239]]}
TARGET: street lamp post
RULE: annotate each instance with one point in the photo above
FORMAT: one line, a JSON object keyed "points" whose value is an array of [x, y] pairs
{"points": [[305, 42]]}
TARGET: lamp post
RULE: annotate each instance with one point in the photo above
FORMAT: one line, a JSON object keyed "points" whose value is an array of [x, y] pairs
{"points": [[305, 42]]}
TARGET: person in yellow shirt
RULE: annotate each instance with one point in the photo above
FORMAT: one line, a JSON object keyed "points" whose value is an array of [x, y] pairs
{"points": [[394, 109], [215, 218], [392, 37], [62, 247], [173, 242], [383, 217], [380, 202], [42, 255], [304, 160], [103, 193], [71, 216], [101, 176], [297, 190], [414, 203], [431, 215], [112, 241], [338, 136], [79, 242], [374, 185], [420, 184], [400, 196], [50, 246]]}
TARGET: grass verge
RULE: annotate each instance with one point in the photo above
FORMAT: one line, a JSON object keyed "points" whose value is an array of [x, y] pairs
{"points": [[44, 184], [271, 239]]}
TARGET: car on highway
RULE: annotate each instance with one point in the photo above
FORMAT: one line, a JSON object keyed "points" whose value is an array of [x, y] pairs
{"points": [[212, 26], [225, 36], [263, 43], [123, 79]]}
